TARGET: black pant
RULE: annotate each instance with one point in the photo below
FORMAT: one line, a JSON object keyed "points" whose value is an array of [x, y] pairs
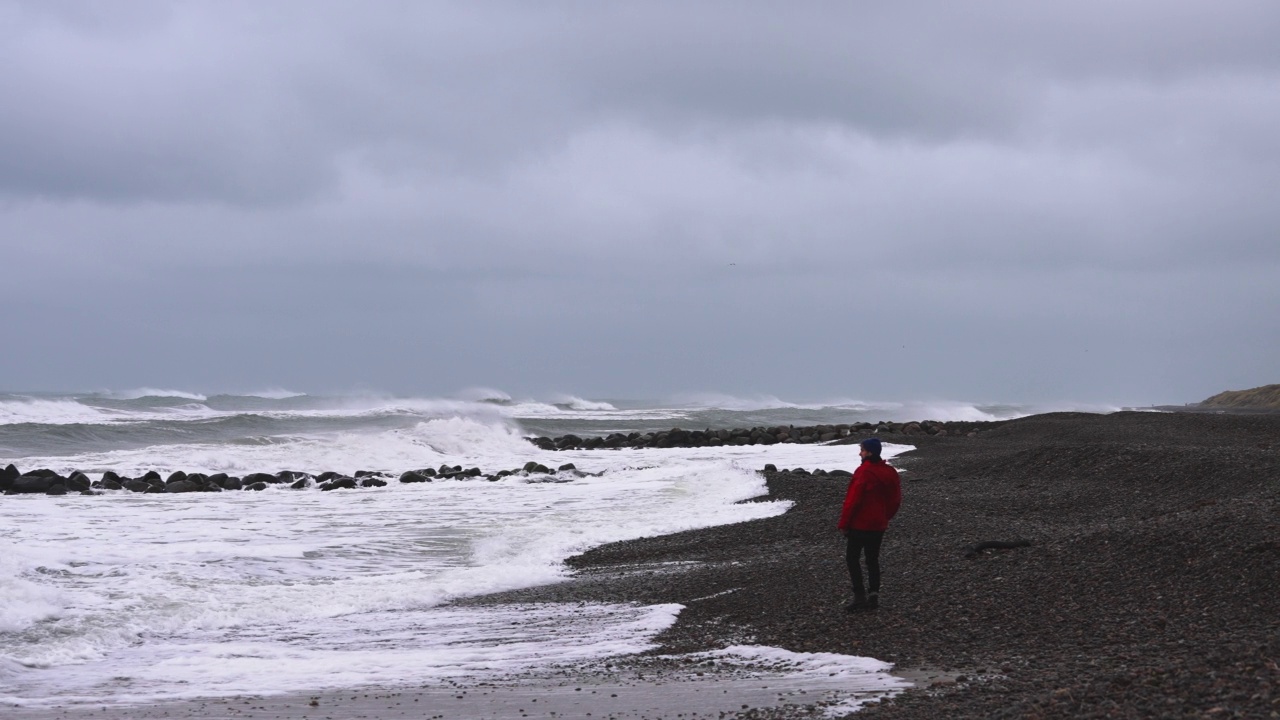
{"points": [[858, 542]]}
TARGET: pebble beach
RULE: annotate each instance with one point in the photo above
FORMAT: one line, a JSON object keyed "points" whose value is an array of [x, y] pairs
{"points": [[1149, 587]]}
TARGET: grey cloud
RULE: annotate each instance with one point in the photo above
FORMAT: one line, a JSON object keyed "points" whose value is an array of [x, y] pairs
{"points": [[578, 197]]}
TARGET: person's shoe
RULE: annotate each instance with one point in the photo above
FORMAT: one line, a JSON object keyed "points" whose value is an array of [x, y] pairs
{"points": [[857, 603], [873, 601]]}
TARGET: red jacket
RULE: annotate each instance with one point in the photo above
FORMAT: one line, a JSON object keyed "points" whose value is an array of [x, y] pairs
{"points": [[875, 492]]}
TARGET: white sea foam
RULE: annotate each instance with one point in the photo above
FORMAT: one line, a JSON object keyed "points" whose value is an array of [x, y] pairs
{"points": [[573, 402], [53, 412], [25, 601], [138, 393], [857, 679], [195, 594]]}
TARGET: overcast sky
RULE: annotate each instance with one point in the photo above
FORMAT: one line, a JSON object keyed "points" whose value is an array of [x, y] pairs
{"points": [[1000, 201]]}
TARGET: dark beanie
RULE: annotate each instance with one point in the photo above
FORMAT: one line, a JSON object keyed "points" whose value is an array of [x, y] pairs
{"points": [[872, 445]]}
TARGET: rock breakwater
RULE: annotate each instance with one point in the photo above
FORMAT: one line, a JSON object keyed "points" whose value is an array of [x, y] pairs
{"points": [[47, 482], [677, 437]]}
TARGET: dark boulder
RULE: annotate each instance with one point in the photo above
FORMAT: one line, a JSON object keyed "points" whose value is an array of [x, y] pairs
{"points": [[413, 476], [373, 482], [340, 483], [208, 486], [136, 485], [255, 478], [34, 484], [842, 474], [197, 478], [10, 473], [175, 476], [151, 475], [56, 489], [327, 475], [181, 486], [78, 481], [232, 483], [366, 473], [301, 484], [219, 478], [568, 466], [111, 484], [291, 476], [256, 486], [770, 467], [111, 475]]}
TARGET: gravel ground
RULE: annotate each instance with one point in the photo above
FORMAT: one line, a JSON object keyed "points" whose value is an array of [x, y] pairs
{"points": [[1151, 587]]}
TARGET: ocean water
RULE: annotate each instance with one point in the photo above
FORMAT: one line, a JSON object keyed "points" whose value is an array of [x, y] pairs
{"points": [[126, 598]]}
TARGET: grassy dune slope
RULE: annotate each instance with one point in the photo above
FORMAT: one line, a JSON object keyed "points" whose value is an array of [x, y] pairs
{"points": [[1267, 396]]}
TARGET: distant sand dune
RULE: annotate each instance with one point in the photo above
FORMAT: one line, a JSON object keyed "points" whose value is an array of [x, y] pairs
{"points": [[1267, 396]]}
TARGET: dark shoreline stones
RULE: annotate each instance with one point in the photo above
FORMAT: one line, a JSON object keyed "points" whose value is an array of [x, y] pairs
{"points": [[1151, 588], [12, 481], [789, 434]]}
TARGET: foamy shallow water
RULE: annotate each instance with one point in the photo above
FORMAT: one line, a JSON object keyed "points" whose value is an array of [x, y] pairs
{"points": [[126, 598]]}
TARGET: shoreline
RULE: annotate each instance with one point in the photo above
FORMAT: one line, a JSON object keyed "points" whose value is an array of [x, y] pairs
{"points": [[1150, 587]]}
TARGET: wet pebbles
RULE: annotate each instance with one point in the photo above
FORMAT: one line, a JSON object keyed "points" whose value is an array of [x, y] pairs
{"points": [[1150, 586]]}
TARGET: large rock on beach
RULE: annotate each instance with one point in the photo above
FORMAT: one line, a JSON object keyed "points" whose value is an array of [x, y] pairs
{"points": [[413, 476], [181, 486], [136, 485], [339, 483]]}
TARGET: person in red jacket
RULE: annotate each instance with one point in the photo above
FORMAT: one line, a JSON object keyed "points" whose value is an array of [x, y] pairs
{"points": [[874, 494]]}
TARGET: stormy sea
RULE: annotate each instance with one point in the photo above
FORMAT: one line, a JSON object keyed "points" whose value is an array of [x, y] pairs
{"points": [[131, 597]]}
